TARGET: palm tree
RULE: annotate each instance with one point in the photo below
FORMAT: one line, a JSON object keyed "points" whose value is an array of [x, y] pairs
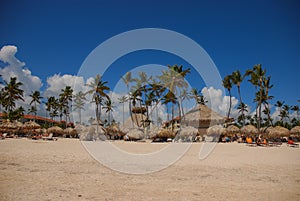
{"points": [[228, 85], [265, 99], [173, 79], [286, 108], [184, 95], [295, 108], [127, 79], [35, 98], [12, 93], [108, 105], [243, 108], [65, 100], [237, 79], [52, 106], [156, 90], [98, 90], [79, 100], [257, 75], [123, 100], [170, 98]]}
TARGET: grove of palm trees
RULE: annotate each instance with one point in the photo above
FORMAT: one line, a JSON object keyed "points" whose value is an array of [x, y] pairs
{"points": [[148, 96]]}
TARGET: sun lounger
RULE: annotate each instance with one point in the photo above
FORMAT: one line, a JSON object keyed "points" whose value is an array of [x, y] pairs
{"points": [[293, 145], [50, 137], [249, 142]]}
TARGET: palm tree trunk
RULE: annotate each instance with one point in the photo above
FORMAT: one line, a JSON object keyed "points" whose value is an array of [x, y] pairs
{"points": [[228, 114]]}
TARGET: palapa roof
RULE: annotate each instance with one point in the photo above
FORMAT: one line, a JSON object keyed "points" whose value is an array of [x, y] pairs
{"points": [[295, 130], [138, 120], [202, 116]]}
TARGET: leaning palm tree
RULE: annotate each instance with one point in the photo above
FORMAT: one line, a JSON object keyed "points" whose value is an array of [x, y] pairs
{"points": [[12, 93], [228, 85], [35, 98]]}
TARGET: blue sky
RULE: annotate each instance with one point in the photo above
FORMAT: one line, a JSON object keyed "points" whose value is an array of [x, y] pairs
{"points": [[56, 36]]}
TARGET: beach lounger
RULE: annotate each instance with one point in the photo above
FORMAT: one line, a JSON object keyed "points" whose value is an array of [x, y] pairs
{"points": [[249, 142], [293, 145], [50, 137]]}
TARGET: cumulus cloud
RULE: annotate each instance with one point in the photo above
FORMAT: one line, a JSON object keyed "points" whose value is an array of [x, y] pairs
{"points": [[219, 102], [13, 67]]}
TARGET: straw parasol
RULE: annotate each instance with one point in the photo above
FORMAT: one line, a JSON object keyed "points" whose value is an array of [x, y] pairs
{"points": [[135, 134], [249, 129], [188, 131], [70, 131], [295, 130], [231, 130], [215, 130], [138, 121], [31, 125], [7, 126], [278, 131], [165, 133], [55, 130], [202, 117]]}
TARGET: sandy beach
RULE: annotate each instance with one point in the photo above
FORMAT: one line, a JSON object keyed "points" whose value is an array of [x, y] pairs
{"points": [[63, 170]]}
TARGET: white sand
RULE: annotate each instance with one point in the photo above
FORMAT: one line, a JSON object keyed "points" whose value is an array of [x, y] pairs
{"points": [[63, 170]]}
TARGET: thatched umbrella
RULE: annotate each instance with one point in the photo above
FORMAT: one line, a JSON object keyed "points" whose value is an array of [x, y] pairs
{"points": [[279, 131], [215, 130], [188, 131], [266, 130], [154, 130], [295, 130], [249, 130], [202, 116], [165, 133], [55, 130], [7, 126], [135, 134], [70, 131], [231, 130], [138, 121]]}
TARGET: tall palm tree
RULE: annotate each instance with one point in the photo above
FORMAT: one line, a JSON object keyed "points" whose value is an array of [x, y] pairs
{"points": [[123, 100], [66, 96], [173, 79], [295, 108], [237, 79], [127, 79], [266, 97], [184, 95], [108, 105], [98, 90], [35, 98], [79, 101], [257, 74], [52, 106], [12, 93], [242, 109], [170, 98], [228, 85]]}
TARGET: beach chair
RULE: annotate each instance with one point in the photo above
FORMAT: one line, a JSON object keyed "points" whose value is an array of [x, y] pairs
{"points": [[291, 143], [250, 142], [50, 137]]}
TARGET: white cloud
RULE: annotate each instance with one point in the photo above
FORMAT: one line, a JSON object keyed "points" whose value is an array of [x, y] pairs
{"points": [[15, 68], [218, 102]]}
